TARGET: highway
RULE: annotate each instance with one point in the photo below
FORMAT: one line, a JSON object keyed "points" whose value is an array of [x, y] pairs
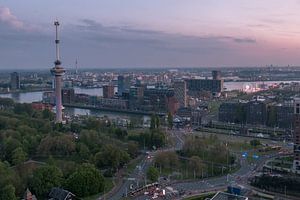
{"points": [[137, 177]]}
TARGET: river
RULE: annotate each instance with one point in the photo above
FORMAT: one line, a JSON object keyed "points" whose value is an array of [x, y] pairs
{"points": [[29, 97]]}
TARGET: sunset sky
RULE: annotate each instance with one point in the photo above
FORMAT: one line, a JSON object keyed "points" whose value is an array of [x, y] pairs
{"points": [[150, 33]]}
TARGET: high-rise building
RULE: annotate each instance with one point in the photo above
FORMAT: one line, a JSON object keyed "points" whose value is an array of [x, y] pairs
{"points": [[296, 163], [180, 93], [120, 85], [108, 91], [14, 81], [124, 83], [197, 85], [58, 72], [216, 75]]}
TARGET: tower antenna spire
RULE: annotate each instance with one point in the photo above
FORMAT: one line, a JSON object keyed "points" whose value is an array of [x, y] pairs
{"points": [[56, 24]]}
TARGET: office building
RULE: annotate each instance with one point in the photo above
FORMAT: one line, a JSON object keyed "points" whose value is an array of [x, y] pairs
{"points": [[136, 92], [124, 83], [216, 75], [120, 85], [157, 98], [214, 85], [257, 112], [232, 112], [180, 93], [14, 81], [296, 163], [108, 91], [112, 103], [284, 115]]}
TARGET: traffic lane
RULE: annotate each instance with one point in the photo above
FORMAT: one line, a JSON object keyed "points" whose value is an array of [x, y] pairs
{"points": [[137, 174]]}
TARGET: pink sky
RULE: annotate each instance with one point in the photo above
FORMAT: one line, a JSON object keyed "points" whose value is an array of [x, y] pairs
{"points": [[136, 33]]}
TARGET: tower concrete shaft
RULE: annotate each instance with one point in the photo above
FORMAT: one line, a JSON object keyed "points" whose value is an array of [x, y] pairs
{"points": [[58, 72]]}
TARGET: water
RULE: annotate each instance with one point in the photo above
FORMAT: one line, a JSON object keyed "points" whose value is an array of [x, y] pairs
{"points": [[241, 85], [25, 97], [99, 113], [29, 97]]}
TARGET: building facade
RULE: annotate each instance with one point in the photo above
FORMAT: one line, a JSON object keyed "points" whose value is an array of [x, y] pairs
{"points": [[120, 85], [180, 93], [108, 91], [284, 115], [232, 112], [124, 83], [214, 85], [14, 81], [296, 163], [216, 75], [257, 112]]}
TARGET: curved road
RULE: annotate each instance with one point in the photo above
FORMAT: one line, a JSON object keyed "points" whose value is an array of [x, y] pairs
{"points": [[137, 178]]}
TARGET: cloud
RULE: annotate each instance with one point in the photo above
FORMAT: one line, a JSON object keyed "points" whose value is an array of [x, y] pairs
{"points": [[8, 18], [127, 34], [244, 40], [99, 45]]}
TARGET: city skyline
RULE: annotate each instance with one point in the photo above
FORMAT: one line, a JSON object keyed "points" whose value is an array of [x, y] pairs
{"points": [[171, 33]]}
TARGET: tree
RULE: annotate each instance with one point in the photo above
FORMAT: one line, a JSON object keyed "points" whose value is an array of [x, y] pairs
{"points": [[111, 156], [153, 122], [157, 121], [45, 178], [83, 151], [152, 174], [9, 180], [75, 127], [167, 160], [255, 143], [57, 145], [170, 120], [18, 156], [196, 165], [8, 193], [47, 114], [133, 149], [10, 144], [6, 102], [85, 181], [23, 108], [121, 134]]}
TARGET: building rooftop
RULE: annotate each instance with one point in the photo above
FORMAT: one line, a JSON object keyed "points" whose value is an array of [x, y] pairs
{"points": [[227, 196]]}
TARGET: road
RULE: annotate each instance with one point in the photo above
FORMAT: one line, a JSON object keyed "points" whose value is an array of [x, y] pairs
{"points": [[240, 178], [216, 182], [137, 177]]}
